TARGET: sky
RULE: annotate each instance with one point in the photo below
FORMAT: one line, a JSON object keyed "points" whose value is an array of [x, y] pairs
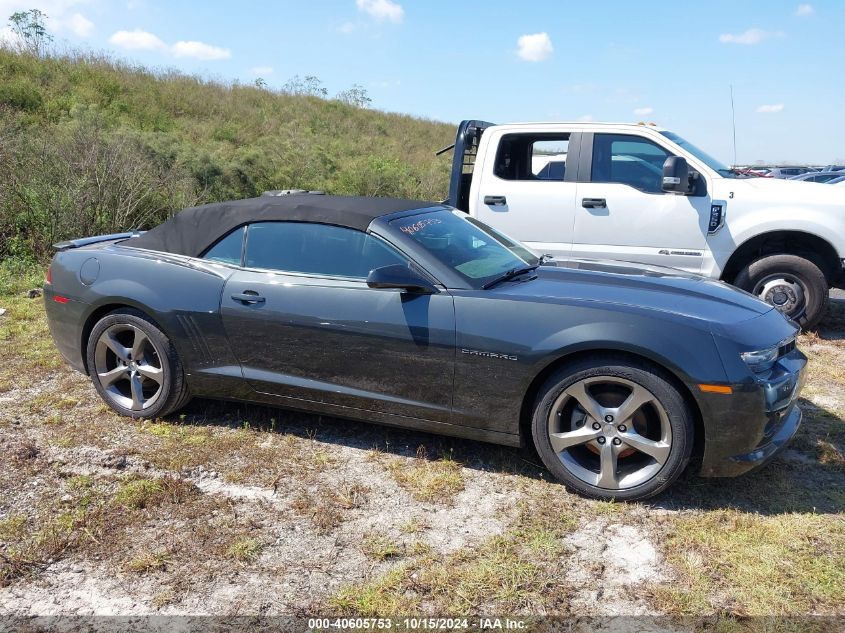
{"points": [[672, 63]]}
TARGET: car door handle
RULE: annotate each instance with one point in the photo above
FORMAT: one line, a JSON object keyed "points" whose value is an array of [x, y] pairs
{"points": [[594, 203], [249, 297], [495, 201]]}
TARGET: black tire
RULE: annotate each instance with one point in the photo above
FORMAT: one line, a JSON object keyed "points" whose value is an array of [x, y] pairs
{"points": [[765, 271], [158, 358], [628, 373]]}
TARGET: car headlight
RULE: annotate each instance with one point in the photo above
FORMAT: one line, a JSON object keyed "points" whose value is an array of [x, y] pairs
{"points": [[760, 361]]}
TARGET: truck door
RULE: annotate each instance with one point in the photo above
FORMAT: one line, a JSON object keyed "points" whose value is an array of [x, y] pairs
{"points": [[622, 212], [527, 188]]}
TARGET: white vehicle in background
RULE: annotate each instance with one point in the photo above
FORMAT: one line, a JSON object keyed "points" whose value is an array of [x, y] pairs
{"points": [[644, 194]]}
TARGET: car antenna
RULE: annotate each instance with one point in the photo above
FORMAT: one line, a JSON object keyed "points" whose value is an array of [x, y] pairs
{"points": [[444, 150]]}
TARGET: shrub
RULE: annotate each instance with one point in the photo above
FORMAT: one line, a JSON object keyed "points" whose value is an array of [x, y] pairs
{"points": [[20, 94], [91, 145]]}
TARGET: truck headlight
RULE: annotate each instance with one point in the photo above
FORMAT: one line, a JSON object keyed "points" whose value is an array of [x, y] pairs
{"points": [[760, 361]]}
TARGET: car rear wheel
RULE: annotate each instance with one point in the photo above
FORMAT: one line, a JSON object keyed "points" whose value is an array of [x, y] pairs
{"points": [[792, 284], [134, 366], [613, 428]]}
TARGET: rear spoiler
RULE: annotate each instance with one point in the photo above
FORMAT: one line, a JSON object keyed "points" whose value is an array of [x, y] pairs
{"points": [[96, 239], [463, 161]]}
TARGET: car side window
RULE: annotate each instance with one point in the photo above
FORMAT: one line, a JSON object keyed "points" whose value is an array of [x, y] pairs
{"points": [[318, 249], [535, 157], [229, 249], [628, 160]]}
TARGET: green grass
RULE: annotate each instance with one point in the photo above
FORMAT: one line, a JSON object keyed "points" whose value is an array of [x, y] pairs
{"points": [[428, 480], [751, 565], [245, 550], [515, 572], [138, 493], [379, 546], [182, 140]]}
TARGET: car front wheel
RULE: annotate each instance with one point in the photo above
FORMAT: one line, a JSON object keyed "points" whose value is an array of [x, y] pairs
{"points": [[613, 428], [134, 366]]}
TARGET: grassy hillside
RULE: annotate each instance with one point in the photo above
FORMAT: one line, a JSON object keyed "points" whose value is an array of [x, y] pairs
{"points": [[91, 145]]}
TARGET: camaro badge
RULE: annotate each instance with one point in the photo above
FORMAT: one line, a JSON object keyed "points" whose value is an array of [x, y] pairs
{"points": [[475, 352]]}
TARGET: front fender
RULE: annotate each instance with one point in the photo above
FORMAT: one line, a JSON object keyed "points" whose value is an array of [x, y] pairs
{"points": [[689, 353], [824, 223], [502, 352]]}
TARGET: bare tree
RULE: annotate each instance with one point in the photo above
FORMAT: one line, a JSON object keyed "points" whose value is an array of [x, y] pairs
{"points": [[309, 86], [31, 30], [356, 96]]}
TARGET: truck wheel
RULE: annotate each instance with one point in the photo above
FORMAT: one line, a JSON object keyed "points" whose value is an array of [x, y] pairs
{"points": [[613, 428], [794, 285]]}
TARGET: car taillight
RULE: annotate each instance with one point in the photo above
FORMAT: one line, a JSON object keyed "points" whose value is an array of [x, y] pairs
{"points": [[49, 278]]}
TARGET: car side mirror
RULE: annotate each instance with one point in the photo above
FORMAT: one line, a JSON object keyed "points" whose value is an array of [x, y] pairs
{"points": [[400, 277], [676, 176]]}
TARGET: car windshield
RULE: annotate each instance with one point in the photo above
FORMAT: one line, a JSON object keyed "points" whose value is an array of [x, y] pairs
{"points": [[475, 251], [716, 165]]}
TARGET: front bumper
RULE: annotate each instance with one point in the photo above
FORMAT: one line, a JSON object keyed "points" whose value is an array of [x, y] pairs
{"points": [[747, 429], [778, 442]]}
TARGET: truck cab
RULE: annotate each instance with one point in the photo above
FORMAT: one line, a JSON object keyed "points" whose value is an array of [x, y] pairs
{"points": [[644, 194]]}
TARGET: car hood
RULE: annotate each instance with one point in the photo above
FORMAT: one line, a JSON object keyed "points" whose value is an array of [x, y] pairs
{"points": [[637, 287], [789, 192]]}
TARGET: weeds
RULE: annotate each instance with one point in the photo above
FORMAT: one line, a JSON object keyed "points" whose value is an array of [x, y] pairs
{"points": [[379, 546], [428, 480], [244, 550]]}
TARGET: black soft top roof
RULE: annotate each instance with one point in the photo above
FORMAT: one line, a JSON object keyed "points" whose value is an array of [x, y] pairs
{"points": [[192, 231]]}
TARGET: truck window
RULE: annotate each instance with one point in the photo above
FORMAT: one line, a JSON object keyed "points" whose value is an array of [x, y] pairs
{"points": [[628, 160], [532, 157]]}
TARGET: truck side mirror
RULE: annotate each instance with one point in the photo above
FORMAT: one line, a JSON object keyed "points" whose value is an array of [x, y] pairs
{"points": [[676, 176]]}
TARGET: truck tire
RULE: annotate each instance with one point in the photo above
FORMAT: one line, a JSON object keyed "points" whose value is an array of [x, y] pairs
{"points": [[794, 285]]}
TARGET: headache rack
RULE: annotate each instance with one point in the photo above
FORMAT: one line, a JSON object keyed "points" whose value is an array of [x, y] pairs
{"points": [[463, 161]]}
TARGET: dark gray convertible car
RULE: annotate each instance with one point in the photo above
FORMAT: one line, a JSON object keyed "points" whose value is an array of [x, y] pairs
{"points": [[413, 314]]}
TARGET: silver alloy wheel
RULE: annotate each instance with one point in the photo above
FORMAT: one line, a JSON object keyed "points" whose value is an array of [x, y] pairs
{"points": [[610, 432], [129, 367], [783, 291]]}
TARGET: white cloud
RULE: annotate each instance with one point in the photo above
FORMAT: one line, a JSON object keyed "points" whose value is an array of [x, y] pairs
{"points": [[199, 50], [137, 40], [79, 25], [534, 47], [261, 71], [643, 111], [751, 36], [140, 40], [770, 108], [347, 27], [804, 10], [585, 118], [382, 10]]}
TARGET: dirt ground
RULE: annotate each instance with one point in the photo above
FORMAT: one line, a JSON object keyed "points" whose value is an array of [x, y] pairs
{"points": [[245, 510]]}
